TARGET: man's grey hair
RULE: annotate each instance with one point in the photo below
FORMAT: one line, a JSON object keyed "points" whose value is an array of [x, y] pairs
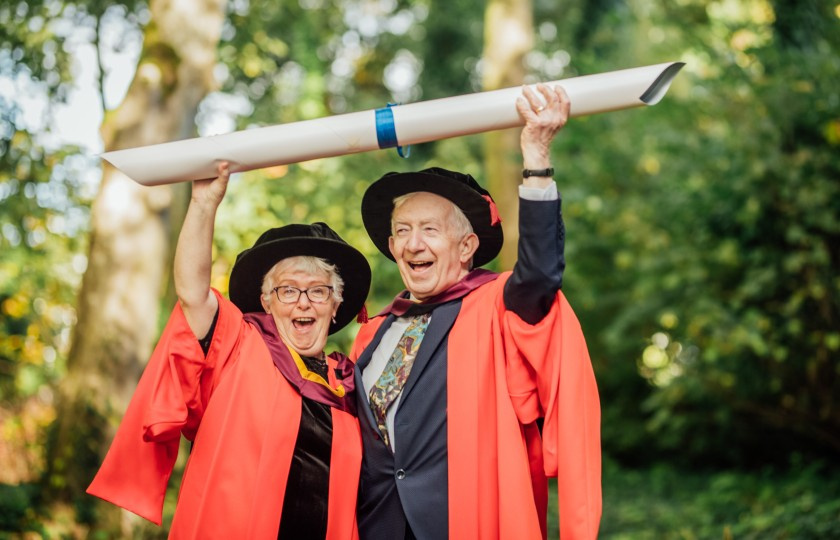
{"points": [[458, 224], [308, 264]]}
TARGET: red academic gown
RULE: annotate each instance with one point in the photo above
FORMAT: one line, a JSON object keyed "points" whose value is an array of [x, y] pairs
{"points": [[243, 416], [503, 374]]}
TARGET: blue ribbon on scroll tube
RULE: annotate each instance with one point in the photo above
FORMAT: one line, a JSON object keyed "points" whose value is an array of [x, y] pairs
{"points": [[386, 132]]}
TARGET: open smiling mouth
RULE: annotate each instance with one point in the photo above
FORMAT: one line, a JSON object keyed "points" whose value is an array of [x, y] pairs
{"points": [[420, 265], [303, 323]]}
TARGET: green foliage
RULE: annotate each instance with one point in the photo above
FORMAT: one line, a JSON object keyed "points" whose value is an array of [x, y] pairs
{"points": [[450, 49], [28, 46], [17, 513], [41, 218], [39, 273], [45, 194], [77, 449], [665, 503], [301, 60], [763, 303], [700, 235], [661, 502]]}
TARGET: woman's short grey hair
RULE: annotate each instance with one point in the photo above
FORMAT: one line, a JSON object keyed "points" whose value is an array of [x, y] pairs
{"points": [[458, 223], [310, 265]]}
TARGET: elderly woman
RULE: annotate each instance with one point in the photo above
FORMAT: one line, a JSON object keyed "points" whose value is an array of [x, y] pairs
{"points": [[275, 442]]}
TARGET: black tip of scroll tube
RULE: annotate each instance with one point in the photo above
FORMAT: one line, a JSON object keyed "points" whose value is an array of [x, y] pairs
{"points": [[657, 90]]}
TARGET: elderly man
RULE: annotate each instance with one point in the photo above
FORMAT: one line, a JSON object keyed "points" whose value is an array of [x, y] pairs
{"points": [[475, 387]]}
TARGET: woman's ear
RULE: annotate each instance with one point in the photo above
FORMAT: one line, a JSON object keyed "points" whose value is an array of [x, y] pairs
{"points": [[264, 299]]}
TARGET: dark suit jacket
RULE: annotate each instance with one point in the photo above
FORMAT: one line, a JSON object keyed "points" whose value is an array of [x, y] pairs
{"points": [[410, 486]]}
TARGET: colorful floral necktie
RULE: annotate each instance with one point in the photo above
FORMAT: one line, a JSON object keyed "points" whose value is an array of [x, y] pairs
{"points": [[396, 372]]}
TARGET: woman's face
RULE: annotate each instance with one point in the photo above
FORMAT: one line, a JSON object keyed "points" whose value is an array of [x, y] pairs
{"points": [[304, 325]]}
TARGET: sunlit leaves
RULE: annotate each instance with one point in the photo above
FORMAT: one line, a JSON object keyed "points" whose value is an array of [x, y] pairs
{"points": [[41, 217], [44, 193]]}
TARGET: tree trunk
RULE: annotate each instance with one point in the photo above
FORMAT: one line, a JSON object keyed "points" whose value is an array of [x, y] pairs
{"points": [[129, 258], [508, 36]]}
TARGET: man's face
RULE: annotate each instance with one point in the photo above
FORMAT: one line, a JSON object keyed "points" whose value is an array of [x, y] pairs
{"points": [[429, 254]]}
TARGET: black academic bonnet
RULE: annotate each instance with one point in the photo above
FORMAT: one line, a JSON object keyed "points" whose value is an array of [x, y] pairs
{"points": [[461, 189], [316, 240]]}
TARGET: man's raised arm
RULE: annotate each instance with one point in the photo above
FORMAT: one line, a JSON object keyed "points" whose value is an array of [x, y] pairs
{"points": [[538, 273]]}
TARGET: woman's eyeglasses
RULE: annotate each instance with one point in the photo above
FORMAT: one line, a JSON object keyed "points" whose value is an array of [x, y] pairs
{"points": [[290, 295]]}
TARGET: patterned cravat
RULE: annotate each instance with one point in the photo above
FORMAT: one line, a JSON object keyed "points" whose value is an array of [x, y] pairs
{"points": [[396, 372]]}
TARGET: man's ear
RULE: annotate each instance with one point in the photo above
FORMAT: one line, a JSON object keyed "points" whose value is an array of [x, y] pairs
{"points": [[391, 246], [469, 245]]}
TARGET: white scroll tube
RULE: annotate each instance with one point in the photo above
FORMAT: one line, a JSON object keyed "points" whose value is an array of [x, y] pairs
{"points": [[414, 123]]}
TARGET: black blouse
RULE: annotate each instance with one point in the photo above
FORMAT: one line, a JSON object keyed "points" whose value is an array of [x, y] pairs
{"points": [[307, 487]]}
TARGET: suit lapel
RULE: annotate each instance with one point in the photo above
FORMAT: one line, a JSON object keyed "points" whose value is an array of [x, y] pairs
{"points": [[443, 317], [362, 362]]}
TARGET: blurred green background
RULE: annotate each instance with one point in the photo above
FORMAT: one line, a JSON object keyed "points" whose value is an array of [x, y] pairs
{"points": [[702, 233]]}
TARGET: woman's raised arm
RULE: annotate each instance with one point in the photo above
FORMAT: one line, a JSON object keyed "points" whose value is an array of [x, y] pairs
{"points": [[194, 251]]}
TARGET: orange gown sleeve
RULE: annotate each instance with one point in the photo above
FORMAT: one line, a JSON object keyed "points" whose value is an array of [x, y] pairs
{"points": [[169, 400], [550, 375]]}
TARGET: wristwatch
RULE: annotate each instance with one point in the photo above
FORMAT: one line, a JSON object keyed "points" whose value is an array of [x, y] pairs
{"points": [[537, 172]]}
